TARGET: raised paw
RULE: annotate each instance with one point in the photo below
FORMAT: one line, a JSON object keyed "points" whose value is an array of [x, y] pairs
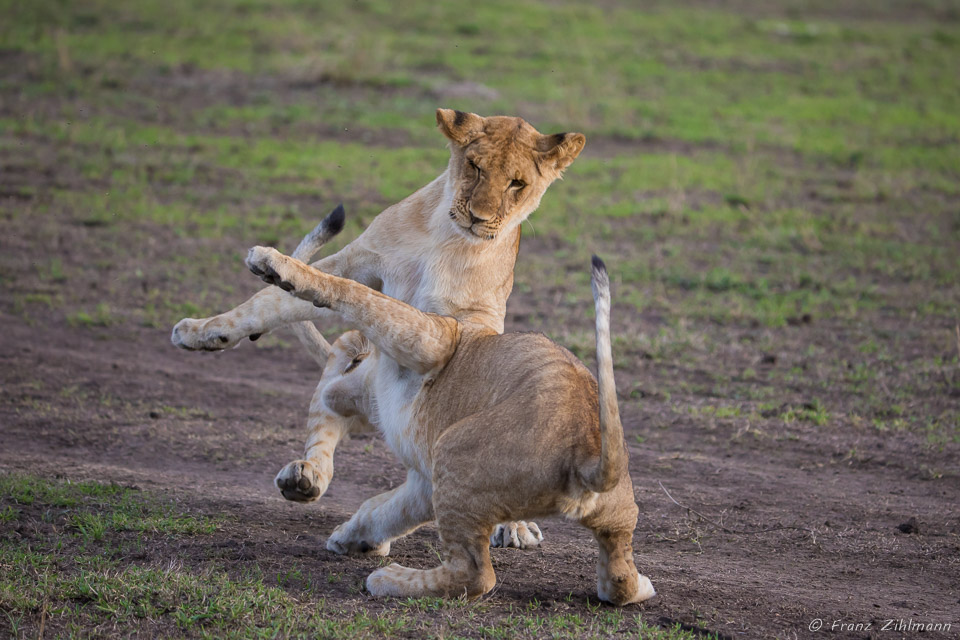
{"points": [[206, 334], [289, 274], [343, 542], [301, 481], [268, 264], [518, 535]]}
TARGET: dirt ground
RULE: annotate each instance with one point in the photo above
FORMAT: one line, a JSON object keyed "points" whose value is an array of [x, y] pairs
{"points": [[774, 533]]}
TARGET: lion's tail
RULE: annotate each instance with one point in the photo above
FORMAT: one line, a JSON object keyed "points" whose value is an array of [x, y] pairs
{"points": [[604, 475], [310, 337]]}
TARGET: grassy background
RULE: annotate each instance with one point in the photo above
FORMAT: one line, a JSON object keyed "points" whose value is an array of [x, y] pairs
{"points": [[771, 183], [809, 163]]}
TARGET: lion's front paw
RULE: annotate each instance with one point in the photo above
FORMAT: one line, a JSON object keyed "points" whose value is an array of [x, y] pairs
{"points": [[206, 334], [301, 481], [344, 543], [289, 274], [519, 535], [269, 264]]}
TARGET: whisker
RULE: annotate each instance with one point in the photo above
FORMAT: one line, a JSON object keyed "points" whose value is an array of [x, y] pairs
{"points": [[533, 229]]}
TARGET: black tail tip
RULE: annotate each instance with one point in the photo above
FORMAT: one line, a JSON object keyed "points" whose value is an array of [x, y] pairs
{"points": [[598, 264], [334, 221]]}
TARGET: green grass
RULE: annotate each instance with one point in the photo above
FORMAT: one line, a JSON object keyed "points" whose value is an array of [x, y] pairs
{"points": [[828, 87], [96, 508], [71, 570], [807, 144], [99, 317], [168, 600]]}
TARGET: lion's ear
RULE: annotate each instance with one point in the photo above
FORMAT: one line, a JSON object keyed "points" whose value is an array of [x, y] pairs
{"points": [[460, 127], [559, 150]]}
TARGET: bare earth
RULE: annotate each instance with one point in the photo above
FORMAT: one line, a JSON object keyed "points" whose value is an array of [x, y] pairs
{"points": [[797, 528]]}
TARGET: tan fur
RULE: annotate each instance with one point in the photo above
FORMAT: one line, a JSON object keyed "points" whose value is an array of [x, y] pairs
{"points": [[448, 249], [491, 428], [425, 250]]}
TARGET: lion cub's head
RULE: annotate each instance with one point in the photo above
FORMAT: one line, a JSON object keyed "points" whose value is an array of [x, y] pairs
{"points": [[502, 167]]}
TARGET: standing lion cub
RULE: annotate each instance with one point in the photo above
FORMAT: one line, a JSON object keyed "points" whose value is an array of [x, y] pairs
{"points": [[449, 248], [491, 427]]}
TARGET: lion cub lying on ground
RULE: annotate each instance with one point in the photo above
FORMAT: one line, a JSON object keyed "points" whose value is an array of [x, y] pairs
{"points": [[491, 427]]}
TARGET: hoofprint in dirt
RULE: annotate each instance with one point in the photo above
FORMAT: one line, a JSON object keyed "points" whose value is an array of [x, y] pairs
{"points": [[773, 533]]}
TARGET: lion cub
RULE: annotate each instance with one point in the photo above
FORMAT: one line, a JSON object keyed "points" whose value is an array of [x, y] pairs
{"points": [[491, 427], [448, 248]]}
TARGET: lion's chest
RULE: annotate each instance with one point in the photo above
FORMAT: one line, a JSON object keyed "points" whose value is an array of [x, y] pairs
{"points": [[427, 283]]}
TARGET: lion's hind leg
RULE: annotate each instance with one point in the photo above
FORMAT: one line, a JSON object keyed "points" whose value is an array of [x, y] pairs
{"points": [[268, 309], [518, 534], [384, 518], [612, 522], [262, 313], [465, 519]]}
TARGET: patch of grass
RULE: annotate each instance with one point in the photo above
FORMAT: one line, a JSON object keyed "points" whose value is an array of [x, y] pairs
{"points": [[688, 73], [101, 316], [177, 600], [26, 489], [812, 411], [171, 600], [9, 514], [97, 507], [52, 270], [720, 413], [74, 572]]}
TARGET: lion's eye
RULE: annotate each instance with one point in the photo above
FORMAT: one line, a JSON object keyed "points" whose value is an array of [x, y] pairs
{"points": [[473, 165], [354, 364], [517, 184]]}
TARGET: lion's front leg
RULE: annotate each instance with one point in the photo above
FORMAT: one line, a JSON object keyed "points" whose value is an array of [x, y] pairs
{"points": [[307, 479], [265, 311], [384, 518], [419, 341]]}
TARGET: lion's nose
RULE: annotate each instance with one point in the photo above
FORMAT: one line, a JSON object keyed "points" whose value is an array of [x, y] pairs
{"points": [[474, 219]]}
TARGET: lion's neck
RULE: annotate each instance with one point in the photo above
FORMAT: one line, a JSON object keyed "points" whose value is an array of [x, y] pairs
{"points": [[447, 272]]}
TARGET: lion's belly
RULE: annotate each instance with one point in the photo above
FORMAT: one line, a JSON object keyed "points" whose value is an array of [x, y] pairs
{"points": [[396, 395]]}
